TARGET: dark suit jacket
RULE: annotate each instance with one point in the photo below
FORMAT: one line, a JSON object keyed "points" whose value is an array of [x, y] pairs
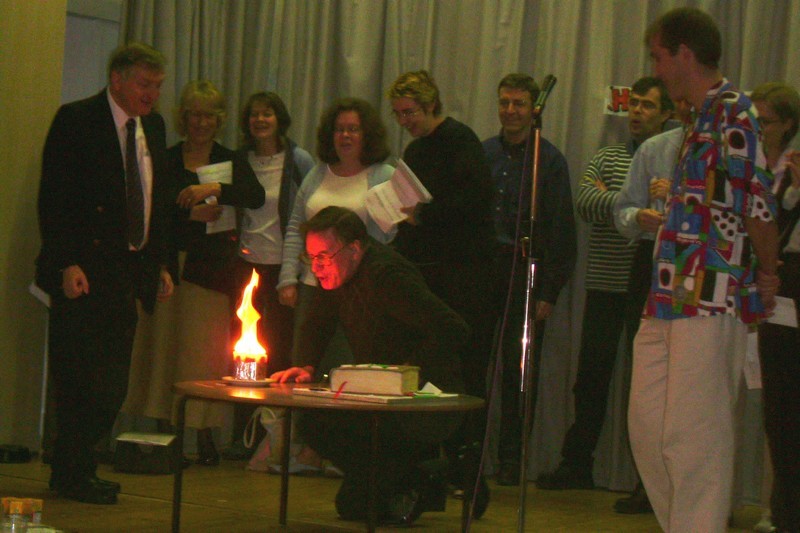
{"points": [[81, 206]]}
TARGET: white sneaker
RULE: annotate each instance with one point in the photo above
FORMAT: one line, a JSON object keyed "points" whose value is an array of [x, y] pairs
{"points": [[764, 525], [296, 468]]}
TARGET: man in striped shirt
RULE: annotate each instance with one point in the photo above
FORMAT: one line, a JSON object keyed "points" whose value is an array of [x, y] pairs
{"points": [[609, 306]]}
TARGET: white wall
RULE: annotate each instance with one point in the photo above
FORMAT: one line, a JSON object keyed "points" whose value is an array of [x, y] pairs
{"points": [[31, 84]]}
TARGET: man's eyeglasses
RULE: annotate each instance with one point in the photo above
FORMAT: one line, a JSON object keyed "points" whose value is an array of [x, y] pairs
{"points": [[405, 113], [516, 104], [322, 259]]}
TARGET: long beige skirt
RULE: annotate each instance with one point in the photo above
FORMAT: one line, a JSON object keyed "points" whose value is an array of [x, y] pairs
{"points": [[186, 338]]}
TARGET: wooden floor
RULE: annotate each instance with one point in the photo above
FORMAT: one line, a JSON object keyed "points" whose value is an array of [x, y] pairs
{"points": [[228, 498]]}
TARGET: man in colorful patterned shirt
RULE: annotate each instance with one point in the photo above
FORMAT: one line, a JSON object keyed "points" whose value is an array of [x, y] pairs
{"points": [[714, 273]]}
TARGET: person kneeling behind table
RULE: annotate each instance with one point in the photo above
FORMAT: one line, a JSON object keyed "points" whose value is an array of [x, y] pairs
{"points": [[389, 317]]}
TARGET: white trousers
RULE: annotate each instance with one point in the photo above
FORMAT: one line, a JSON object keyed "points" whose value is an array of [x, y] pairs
{"points": [[685, 381]]}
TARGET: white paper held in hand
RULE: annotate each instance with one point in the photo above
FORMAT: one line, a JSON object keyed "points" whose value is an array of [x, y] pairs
{"points": [[404, 189], [219, 173]]}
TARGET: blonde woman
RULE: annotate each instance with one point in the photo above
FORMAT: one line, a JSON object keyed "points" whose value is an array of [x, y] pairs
{"points": [[188, 337]]}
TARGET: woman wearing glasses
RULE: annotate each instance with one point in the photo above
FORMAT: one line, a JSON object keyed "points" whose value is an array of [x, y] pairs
{"points": [[351, 145], [450, 239]]}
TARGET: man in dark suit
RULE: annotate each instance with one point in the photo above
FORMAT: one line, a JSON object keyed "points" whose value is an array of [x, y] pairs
{"points": [[102, 205]]}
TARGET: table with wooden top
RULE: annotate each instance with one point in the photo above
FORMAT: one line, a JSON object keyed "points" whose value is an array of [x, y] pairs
{"points": [[280, 395]]}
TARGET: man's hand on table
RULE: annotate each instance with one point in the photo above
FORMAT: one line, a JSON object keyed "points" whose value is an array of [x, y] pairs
{"points": [[295, 373]]}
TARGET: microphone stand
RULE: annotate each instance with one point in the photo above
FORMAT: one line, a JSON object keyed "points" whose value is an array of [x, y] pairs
{"points": [[529, 325]]}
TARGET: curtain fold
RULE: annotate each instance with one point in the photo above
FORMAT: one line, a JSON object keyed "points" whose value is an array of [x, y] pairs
{"points": [[312, 52]]}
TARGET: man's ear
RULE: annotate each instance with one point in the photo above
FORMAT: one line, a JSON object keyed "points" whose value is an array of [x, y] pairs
{"points": [[114, 79], [358, 249], [684, 52]]}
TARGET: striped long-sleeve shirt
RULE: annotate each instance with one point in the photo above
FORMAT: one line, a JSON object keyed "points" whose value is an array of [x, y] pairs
{"points": [[610, 254]]}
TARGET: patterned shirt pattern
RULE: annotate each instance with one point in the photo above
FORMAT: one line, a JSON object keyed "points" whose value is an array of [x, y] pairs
{"points": [[704, 264]]}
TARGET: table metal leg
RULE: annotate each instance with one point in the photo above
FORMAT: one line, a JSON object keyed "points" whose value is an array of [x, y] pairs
{"points": [[286, 448], [373, 474], [177, 463]]}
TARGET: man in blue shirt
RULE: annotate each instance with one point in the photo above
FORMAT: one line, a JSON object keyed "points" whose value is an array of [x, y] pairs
{"points": [[554, 244]]}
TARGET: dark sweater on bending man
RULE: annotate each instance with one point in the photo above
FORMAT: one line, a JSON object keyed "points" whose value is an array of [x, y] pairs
{"points": [[389, 317]]}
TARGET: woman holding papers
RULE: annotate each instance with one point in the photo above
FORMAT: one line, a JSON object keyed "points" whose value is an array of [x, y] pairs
{"points": [[778, 108], [187, 338], [451, 238], [351, 145]]}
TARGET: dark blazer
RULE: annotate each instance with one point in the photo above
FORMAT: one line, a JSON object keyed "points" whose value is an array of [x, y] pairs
{"points": [[81, 206]]}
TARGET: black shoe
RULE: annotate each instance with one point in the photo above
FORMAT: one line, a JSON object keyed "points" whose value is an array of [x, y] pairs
{"points": [[404, 509], [351, 499], [636, 503], [89, 490], [57, 485], [206, 450], [481, 500], [466, 461], [508, 475], [566, 477], [238, 452], [113, 485]]}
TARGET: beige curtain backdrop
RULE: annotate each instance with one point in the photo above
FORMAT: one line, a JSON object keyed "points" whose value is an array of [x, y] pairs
{"points": [[312, 51]]}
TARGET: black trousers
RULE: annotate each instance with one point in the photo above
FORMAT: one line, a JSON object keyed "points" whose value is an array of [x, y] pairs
{"points": [[468, 288], [90, 342], [511, 409], [605, 316], [779, 351], [405, 439]]}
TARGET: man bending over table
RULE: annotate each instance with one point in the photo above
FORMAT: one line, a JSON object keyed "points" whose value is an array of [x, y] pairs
{"points": [[389, 317]]}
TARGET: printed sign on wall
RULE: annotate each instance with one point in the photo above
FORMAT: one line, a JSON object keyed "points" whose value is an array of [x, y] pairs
{"points": [[617, 100]]}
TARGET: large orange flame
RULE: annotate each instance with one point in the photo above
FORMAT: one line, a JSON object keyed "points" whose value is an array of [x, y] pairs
{"points": [[248, 347]]}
